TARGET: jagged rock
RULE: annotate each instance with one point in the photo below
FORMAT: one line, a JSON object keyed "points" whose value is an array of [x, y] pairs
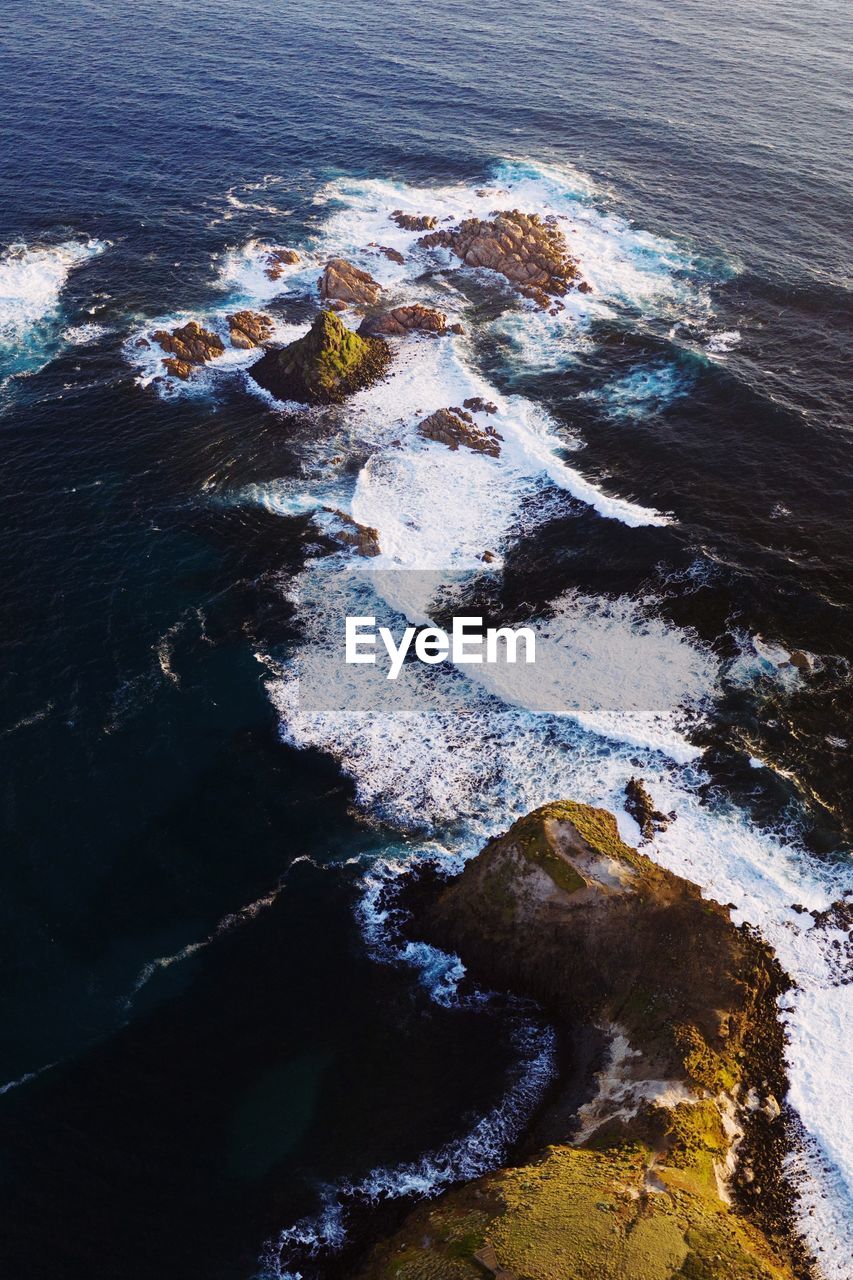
{"points": [[277, 260], [402, 320], [642, 809], [177, 368], [393, 255], [478, 405], [347, 532], [454, 427], [345, 283], [528, 252], [190, 344], [248, 329], [558, 909], [328, 364], [413, 221]]}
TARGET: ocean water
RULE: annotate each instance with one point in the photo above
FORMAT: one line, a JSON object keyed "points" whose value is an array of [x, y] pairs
{"points": [[218, 1058]]}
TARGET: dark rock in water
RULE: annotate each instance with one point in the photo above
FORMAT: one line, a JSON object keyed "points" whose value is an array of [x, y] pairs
{"points": [[343, 282], [560, 910], [584, 287], [277, 260], [478, 405], [190, 344], [454, 427], [248, 329], [413, 221], [327, 365], [347, 532], [402, 320], [528, 252], [642, 809], [393, 255]]}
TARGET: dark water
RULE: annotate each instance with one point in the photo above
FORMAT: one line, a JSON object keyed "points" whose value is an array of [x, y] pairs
{"points": [[145, 795]]}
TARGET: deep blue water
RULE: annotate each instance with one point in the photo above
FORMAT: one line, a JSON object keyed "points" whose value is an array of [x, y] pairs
{"points": [[143, 803]]}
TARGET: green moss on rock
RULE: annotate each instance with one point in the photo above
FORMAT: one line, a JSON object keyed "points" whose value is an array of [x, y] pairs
{"points": [[325, 366]]}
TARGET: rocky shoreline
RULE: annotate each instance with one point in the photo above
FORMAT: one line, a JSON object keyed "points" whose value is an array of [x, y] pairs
{"points": [[672, 1166]]}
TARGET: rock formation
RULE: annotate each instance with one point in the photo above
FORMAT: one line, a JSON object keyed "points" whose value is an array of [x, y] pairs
{"points": [[248, 329], [343, 282], [189, 346], [529, 252], [277, 260], [402, 320], [413, 221], [560, 910], [455, 427], [346, 532], [328, 364], [476, 404], [642, 809]]}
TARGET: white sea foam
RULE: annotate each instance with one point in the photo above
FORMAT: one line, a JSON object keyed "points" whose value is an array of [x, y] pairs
{"points": [[31, 283]]}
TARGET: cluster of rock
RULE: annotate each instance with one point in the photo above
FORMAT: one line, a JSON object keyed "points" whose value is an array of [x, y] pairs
{"points": [[277, 260], [528, 251], [454, 427], [191, 345], [413, 221], [402, 320], [325, 366], [637, 1181], [641, 807]]}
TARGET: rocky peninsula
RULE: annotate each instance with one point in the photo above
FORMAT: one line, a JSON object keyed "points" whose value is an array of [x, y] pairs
{"points": [[671, 1168]]}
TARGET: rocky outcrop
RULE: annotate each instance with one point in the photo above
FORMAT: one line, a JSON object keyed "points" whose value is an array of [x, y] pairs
{"points": [[476, 404], [277, 259], [393, 255], [528, 251], [561, 910], [247, 329], [342, 282], [189, 346], [328, 364], [413, 221], [454, 427], [346, 532], [642, 809], [403, 320]]}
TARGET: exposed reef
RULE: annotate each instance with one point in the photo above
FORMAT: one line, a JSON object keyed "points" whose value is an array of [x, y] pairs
{"points": [[402, 320], [189, 346], [247, 329], [529, 252], [276, 260], [643, 1183], [454, 427], [325, 366], [343, 283], [413, 221]]}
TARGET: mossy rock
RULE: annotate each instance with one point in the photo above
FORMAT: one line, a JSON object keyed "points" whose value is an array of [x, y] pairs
{"points": [[325, 366], [576, 1215]]}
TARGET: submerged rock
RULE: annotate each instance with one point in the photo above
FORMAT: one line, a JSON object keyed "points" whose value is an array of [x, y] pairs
{"points": [[454, 427], [561, 910], [248, 329], [402, 320], [413, 221], [530, 253], [328, 364], [343, 282], [341, 528], [189, 344]]}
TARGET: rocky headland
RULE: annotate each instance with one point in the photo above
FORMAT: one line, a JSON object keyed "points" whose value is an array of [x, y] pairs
{"points": [[325, 366], [671, 1168]]}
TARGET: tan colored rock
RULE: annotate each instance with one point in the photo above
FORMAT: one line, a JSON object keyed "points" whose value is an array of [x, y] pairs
{"points": [[402, 320], [190, 343], [248, 329], [347, 532], [342, 281], [529, 252], [277, 260], [177, 368], [413, 221], [454, 427]]}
